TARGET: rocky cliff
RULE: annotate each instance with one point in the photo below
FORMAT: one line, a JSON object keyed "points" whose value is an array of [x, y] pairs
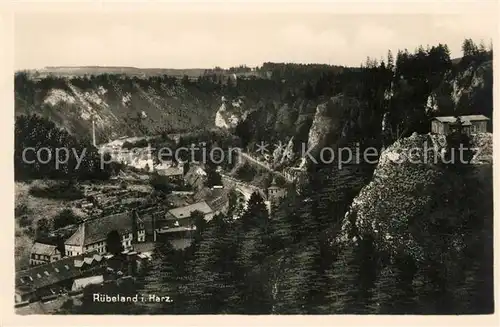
{"points": [[466, 90], [118, 105], [412, 192]]}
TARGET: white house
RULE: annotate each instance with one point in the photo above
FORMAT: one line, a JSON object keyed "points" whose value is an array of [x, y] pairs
{"points": [[91, 235]]}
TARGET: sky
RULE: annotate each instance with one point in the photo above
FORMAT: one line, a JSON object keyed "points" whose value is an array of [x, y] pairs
{"points": [[205, 39]]}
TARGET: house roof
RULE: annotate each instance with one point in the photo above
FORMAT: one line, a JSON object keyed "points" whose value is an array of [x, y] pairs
{"points": [[44, 249], [185, 212], [45, 307], [171, 171], [82, 282], [87, 260], [144, 247], [467, 118], [30, 280], [96, 230], [176, 229]]}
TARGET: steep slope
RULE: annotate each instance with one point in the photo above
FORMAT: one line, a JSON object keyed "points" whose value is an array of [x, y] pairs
{"points": [[119, 105], [407, 183], [339, 117], [466, 90]]}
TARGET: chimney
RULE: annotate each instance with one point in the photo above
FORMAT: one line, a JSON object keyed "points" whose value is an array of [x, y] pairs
{"points": [[134, 226], [153, 220], [93, 133]]}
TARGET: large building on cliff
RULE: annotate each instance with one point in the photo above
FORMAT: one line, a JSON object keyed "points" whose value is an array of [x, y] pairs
{"points": [[470, 124]]}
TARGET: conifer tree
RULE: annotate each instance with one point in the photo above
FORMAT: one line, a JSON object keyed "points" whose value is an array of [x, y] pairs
{"points": [[211, 272], [162, 279], [344, 294]]}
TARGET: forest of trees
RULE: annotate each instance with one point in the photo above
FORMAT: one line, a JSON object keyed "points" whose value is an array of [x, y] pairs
{"points": [[43, 150], [289, 261], [286, 263]]}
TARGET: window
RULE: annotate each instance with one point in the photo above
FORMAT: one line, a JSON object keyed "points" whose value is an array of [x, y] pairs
{"points": [[36, 256]]}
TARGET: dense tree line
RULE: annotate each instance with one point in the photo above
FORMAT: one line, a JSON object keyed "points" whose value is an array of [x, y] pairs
{"points": [[289, 260], [43, 150]]}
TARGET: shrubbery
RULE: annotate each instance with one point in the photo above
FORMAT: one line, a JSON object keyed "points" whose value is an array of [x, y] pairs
{"points": [[64, 191]]}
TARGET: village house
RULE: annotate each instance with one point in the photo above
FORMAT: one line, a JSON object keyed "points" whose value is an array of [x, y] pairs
{"points": [[152, 219], [91, 235], [42, 253], [81, 283], [173, 173], [181, 217], [470, 124], [55, 277], [275, 193], [196, 177]]}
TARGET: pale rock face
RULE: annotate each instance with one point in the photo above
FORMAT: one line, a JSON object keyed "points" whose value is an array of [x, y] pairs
{"points": [[470, 80], [233, 121], [386, 205], [126, 99], [226, 117], [94, 98], [56, 96], [220, 121], [334, 120], [101, 90], [431, 105]]}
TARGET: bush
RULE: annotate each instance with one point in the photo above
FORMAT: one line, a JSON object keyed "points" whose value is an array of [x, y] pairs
{"points": [[160, 183], [139, 144], [21, 210], [30, 231], [65, 191], [24, 221], [64, 218], [42, 228]]}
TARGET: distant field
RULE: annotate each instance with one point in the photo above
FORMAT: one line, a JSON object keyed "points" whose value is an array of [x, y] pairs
{"points": [[192, 73], [78, 71]]}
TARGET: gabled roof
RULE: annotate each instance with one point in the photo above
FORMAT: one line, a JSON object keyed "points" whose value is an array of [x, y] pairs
{"points": [[171, 171], [96, 230], [185, 212], [87, 260], [44, 249], [30, 280], [82, 282], [467, 118]]}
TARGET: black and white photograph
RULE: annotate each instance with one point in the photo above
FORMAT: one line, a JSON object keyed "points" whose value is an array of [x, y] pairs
{"points": [[197, 160]]}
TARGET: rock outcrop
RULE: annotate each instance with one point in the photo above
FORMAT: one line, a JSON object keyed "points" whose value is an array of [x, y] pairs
{"points": [[118, 105], [335, 120], [231, 113], [408, 182], [467, 91]]}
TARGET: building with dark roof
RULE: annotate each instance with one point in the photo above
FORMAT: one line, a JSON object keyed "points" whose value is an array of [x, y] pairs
{"points": [[182, 216], [275, 193], [42, 253], [91, 235], [469, 124], [56, 277]]}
